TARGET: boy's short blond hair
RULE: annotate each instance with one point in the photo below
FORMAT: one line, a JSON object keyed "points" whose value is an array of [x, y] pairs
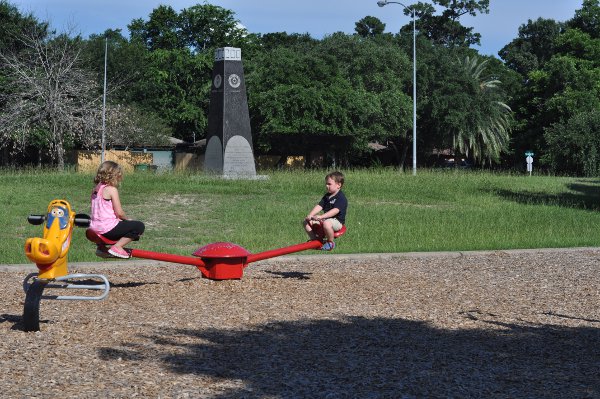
{"points": [[336, 176]]}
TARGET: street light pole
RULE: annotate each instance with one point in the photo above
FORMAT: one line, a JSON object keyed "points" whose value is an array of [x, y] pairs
{"points": [[104, 103], [382, 3]]}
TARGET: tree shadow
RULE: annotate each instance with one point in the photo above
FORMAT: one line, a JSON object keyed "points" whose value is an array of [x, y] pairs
{"points": [[131, 284], [564, 316], [294, 275], [586, 196], [382, 358], [184, 280]]}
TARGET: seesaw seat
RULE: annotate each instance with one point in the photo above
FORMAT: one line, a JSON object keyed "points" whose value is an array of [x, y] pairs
{"points": [[340, 232], [318, 230], [99, 239]]}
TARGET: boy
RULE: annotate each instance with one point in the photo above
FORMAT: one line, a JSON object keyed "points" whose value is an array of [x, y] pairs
{"points": [[334, 205]]}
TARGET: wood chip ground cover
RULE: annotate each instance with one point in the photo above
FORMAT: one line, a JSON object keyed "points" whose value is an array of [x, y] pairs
{"points": [[501, 325]]}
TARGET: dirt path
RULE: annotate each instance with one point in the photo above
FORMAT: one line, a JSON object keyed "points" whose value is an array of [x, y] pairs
{"points": [[500, 325]]}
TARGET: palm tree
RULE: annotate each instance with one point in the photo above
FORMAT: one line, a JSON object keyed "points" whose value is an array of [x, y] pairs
{"points": [[486, 132]]}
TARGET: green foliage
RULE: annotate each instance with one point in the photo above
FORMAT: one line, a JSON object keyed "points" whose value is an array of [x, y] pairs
{"points": [[175, 80], [199, 28], [14, 23], [587, 18], [534, 46], [464, 107], [559, 64], [344, 91], [574, 146], [369, 27], [270, 41], [126, 62], [446, 29], [342, 86], [161, 31], [175, 85], [578, 44]]}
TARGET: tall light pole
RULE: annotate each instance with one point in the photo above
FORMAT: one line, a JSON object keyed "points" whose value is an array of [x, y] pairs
{"points": [[382, 3], [104, 103]]}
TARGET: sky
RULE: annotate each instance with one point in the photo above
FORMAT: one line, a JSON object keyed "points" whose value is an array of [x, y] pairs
{"points": [[316, 17]]}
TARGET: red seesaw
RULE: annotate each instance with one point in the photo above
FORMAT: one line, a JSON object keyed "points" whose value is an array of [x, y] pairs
{"points": [[219, 260]]}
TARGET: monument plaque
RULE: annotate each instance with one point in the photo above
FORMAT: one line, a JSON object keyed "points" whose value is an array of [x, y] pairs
{"points": [[229, 141]]}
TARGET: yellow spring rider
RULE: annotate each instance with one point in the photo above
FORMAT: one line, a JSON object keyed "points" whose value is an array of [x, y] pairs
{"points": [[49, 253]]}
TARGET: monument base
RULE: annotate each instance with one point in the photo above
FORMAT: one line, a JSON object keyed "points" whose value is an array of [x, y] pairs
{"points": [[241, 176]]}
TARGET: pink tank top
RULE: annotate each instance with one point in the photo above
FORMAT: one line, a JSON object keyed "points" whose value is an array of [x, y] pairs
{"points": [[103, 214]]}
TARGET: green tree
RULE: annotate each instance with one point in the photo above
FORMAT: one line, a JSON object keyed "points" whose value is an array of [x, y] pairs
{"points": [[175, 85], [175, 81], [197, 28], [380, 70], [446, 29], [12, 25], [126, 62], [587, 18], [463, 106], [270, 41], [205, 26], [534, 46], [574, 145], [344, 87], [369, 26], [560, 68], [162, 31], [485, 132]]}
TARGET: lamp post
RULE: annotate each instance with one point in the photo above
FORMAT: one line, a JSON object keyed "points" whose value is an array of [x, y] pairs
{"points": [[382, 3], [104, 102]]}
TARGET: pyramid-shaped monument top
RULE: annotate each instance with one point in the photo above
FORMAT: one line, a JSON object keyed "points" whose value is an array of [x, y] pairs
{"points": [[228, 54]]}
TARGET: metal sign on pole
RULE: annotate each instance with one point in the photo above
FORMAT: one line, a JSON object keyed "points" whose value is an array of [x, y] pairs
{"points": [[529, 160]]}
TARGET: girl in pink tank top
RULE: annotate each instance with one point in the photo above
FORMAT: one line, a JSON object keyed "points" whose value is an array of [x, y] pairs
{"points": [[108, 217]]}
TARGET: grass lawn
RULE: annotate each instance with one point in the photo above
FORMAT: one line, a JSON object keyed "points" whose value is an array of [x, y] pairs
{"points": [[389, 211]]}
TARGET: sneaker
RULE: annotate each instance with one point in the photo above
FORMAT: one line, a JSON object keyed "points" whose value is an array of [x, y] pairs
{"points": [[119, 253], [328, 246], [102, 253]]}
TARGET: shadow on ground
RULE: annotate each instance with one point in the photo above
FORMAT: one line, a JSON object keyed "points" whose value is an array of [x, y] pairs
{"points": [[586, 195], [383, 358]]}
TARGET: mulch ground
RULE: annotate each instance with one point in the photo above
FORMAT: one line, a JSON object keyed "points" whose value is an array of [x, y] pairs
{"points": [[482, 325]]}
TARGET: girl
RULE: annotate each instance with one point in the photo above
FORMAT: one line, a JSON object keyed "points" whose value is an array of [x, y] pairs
{"points": [[108, 217]]}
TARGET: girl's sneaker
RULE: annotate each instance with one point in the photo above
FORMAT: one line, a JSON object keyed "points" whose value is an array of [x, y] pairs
{"points": [[119, 253], [328, 246]]}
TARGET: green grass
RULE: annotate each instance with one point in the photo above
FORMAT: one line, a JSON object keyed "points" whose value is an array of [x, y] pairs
{"points": [[388, 211]]}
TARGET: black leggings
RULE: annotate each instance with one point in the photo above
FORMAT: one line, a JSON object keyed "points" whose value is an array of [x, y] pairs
{"points": [[126, 228]]}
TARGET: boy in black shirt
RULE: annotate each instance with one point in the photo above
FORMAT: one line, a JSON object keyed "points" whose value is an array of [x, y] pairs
{"points": [[334, 205]]}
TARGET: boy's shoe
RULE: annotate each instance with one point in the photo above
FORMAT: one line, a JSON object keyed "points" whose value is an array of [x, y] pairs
{"points": [[119, 253], [328, 246], [102, 253]]}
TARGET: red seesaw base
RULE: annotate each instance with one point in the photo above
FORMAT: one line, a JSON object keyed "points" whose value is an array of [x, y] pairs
{"points": [[216, 261]]}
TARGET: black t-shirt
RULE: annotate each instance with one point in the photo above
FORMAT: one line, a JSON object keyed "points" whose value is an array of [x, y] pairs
{"points": [[338, 201]]}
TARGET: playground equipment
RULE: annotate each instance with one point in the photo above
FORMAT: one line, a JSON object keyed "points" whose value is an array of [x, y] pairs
{"points": [[49, 253], [216, 261], [219, 260]]}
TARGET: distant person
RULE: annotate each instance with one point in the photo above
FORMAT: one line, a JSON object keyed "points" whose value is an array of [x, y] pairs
{"points": [[108, 217], [333, 205]]}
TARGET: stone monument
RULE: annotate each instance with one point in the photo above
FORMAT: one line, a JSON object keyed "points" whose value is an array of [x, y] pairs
{"points": [[229, 140]]}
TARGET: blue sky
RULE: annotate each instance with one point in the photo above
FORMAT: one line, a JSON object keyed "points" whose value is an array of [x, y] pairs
{"points": [[317, 17]]}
